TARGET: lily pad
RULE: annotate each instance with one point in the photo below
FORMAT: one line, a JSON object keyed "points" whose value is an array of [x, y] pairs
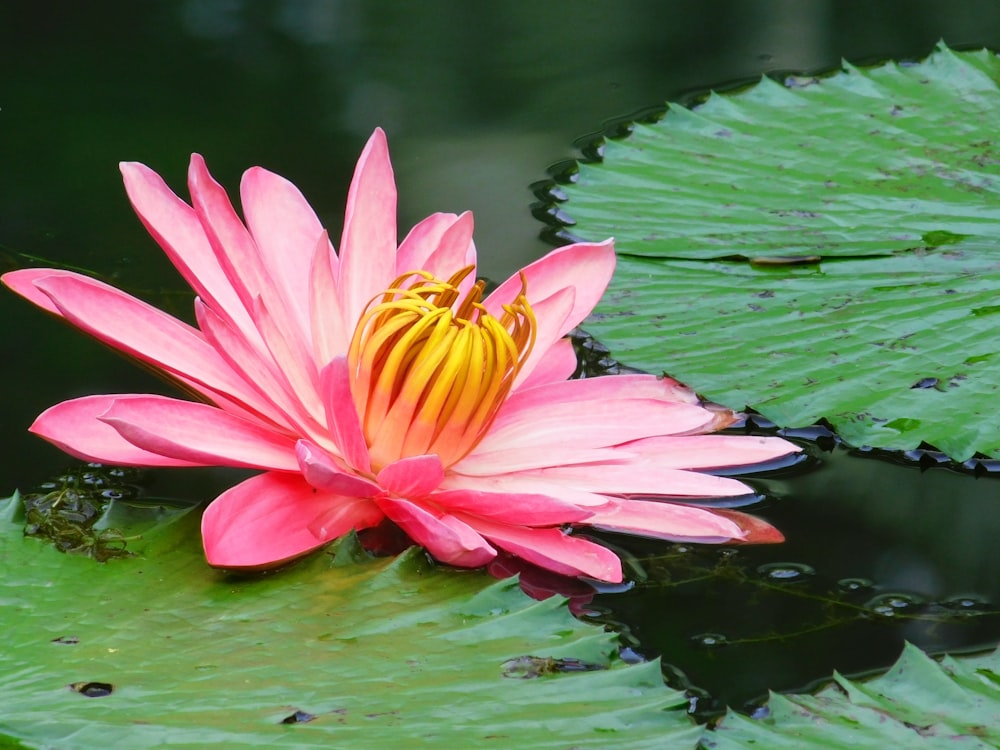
{"points": [[919, 703], [339, 650], [820, 248]]}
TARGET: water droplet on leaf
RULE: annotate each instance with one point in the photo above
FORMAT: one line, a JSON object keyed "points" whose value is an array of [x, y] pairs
{"points": [[893, 604], [710, 640], [299, 717], [93, 689], [786, 572], [854, 585]]}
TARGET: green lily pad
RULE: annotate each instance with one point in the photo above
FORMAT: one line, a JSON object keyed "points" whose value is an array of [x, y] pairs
{"points": [[823, 248], [345, 650], [919, 703], [337, 651]]}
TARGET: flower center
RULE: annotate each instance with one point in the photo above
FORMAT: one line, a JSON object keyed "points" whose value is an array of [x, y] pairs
{"points": [[431, 369]]}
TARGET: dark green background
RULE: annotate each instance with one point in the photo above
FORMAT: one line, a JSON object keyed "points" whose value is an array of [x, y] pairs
{"points": [[477, 102]]}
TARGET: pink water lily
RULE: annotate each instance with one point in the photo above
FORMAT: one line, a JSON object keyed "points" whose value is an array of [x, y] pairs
{"points": [[384, 383]]}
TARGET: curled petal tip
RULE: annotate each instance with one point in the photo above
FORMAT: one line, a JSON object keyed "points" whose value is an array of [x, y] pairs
{"points": [[755, 530]]}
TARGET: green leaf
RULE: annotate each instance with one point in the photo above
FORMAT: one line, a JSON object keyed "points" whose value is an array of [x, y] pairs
{"points": [[379, 653], [919, 703], [824, 248]]}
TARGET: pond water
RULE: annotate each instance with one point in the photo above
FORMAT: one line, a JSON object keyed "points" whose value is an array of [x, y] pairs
{"points": [[477, 104], [877, 552]]}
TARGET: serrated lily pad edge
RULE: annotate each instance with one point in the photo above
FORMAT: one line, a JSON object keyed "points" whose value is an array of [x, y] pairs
{"points": [[560, 229], [919, 702], [492, 617], [962, 687]]}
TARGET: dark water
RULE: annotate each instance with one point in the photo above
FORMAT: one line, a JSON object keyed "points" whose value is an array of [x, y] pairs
{"points": [[478, 101], [878, 552]]}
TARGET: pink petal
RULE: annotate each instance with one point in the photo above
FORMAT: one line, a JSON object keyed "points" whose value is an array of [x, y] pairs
{"points": [[678, 391], [412, 477], [368, 243], [510, 507], [287, 337], [293, 357], [529, 483], [445, 538], [272, 518], [177, 229], [587, 484], [342, 415], [330, 336], [232, 244], [639, 478], [441, 245], [595, 423], [678, 523], [561, 422], [553, 550], [755, 530], [587, 390], [555, 365], [550, 314], [146, 333], [322, 471], [260, 373], [421, 242], [74, 427], [515, 459], [285, 230], [438, 244], [711, 451], [23, 282], [199, 433], [584, 267]]}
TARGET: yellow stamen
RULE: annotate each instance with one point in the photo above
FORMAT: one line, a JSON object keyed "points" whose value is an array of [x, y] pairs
{"points": [[430, 369]]}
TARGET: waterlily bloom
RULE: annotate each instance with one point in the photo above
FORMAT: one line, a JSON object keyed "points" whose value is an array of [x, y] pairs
{"points": [[382, 382]]}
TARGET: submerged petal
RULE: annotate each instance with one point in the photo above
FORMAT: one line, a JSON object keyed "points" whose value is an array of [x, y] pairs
{"points": [[755, 530]]}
